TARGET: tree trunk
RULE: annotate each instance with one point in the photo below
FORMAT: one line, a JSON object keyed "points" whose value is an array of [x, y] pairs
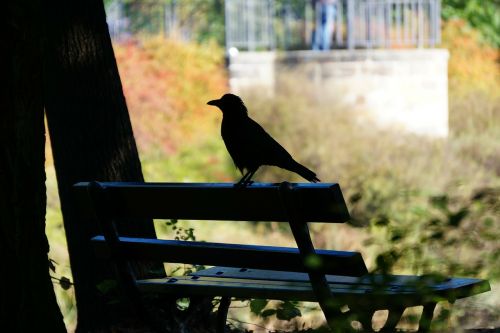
{"points": [[27, 299], [91, 138]]}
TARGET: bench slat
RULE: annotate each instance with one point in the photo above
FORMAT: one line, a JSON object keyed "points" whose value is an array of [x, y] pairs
{"points": [[222, 254], [246, 288], [322, 202], [302, 291], [457, 287]]}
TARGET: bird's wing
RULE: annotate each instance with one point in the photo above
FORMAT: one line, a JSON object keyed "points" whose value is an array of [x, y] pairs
{"points": [[263, 146], [268, 151]]}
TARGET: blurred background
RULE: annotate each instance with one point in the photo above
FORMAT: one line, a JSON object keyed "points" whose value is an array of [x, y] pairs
{"points": [[396, 100]]}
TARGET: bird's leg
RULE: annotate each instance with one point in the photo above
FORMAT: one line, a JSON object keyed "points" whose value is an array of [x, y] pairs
{"points": [[250, 175], [243, 180]]}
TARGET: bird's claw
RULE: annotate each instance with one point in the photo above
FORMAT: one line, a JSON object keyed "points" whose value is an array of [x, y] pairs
{"points": [[243, 184]]}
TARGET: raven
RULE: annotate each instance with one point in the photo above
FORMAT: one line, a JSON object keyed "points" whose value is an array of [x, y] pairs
{"points": [[249, 145]]}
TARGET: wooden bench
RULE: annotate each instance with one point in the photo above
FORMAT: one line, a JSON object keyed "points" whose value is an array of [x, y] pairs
{"points": [[334, 279]]}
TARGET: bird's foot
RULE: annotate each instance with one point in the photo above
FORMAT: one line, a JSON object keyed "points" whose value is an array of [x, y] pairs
{"points": [[241, 184]]}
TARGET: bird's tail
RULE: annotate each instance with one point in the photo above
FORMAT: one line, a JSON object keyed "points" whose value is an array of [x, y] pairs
{"points": [[305, 172]]}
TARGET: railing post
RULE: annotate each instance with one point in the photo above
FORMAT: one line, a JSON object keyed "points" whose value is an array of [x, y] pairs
{"points": [[227, 25], [420, 24], [272, 16], [251, 24], [338, 24], [438, 21], [388, 23], [350, 24]]}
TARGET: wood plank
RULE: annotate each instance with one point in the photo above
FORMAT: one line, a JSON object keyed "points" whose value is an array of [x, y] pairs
{"points": [[221, 254], [321, 202], [456, 287], [278, 290], [247, 288], [344, 293]]}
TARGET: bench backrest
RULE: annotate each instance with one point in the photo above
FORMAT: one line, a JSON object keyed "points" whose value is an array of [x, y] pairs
{"points": [[219, 201], [284, 202]]}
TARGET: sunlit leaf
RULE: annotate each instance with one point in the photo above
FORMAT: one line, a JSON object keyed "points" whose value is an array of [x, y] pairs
{"points": [[268, 313], [288, 313], [257, 305]]}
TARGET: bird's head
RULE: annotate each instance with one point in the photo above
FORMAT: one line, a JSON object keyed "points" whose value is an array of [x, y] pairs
{"points": [[230, 104]]}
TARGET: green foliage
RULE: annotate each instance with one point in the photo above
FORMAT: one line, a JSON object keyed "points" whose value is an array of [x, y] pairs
{"points": [[450, 235], [206, 161], [480, 14], [173, 229], [283, 310], [184, 234], [427, 206]]}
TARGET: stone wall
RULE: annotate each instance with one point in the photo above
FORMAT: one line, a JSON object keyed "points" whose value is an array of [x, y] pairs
{"points": [[400, 88]]}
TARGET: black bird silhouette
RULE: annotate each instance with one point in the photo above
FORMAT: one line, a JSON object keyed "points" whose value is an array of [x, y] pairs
{"points": [[249, 145]]}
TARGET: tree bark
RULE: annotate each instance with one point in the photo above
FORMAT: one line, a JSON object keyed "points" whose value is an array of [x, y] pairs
{"points": [[27, 299], [91, 139]]}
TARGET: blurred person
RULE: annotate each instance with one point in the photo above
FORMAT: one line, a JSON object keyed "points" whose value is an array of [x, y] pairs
{"points": [[325, 12]]}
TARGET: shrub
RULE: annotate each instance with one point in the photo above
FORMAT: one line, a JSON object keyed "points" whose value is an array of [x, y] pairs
{"points": [[167, 84]]}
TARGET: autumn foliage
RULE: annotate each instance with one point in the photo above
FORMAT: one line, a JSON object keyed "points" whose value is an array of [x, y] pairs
{"points": [[471, 61], [167, 84]]}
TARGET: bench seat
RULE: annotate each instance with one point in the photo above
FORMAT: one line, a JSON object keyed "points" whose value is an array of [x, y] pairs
{"points": [[380, 291]]}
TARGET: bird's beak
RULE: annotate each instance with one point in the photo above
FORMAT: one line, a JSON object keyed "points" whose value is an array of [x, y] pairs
{"points": [[214, 102]]}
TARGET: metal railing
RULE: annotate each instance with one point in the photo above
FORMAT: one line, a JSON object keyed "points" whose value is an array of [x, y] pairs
{"points": [[285, 24], [392, 23], [170, 18], [250, 24], [290, 24]]}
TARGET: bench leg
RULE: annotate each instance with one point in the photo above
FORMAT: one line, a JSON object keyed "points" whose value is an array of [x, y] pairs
{"points": [[365, 318], [393, 319], [364, 315], [220, 325], [425, 320]]}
